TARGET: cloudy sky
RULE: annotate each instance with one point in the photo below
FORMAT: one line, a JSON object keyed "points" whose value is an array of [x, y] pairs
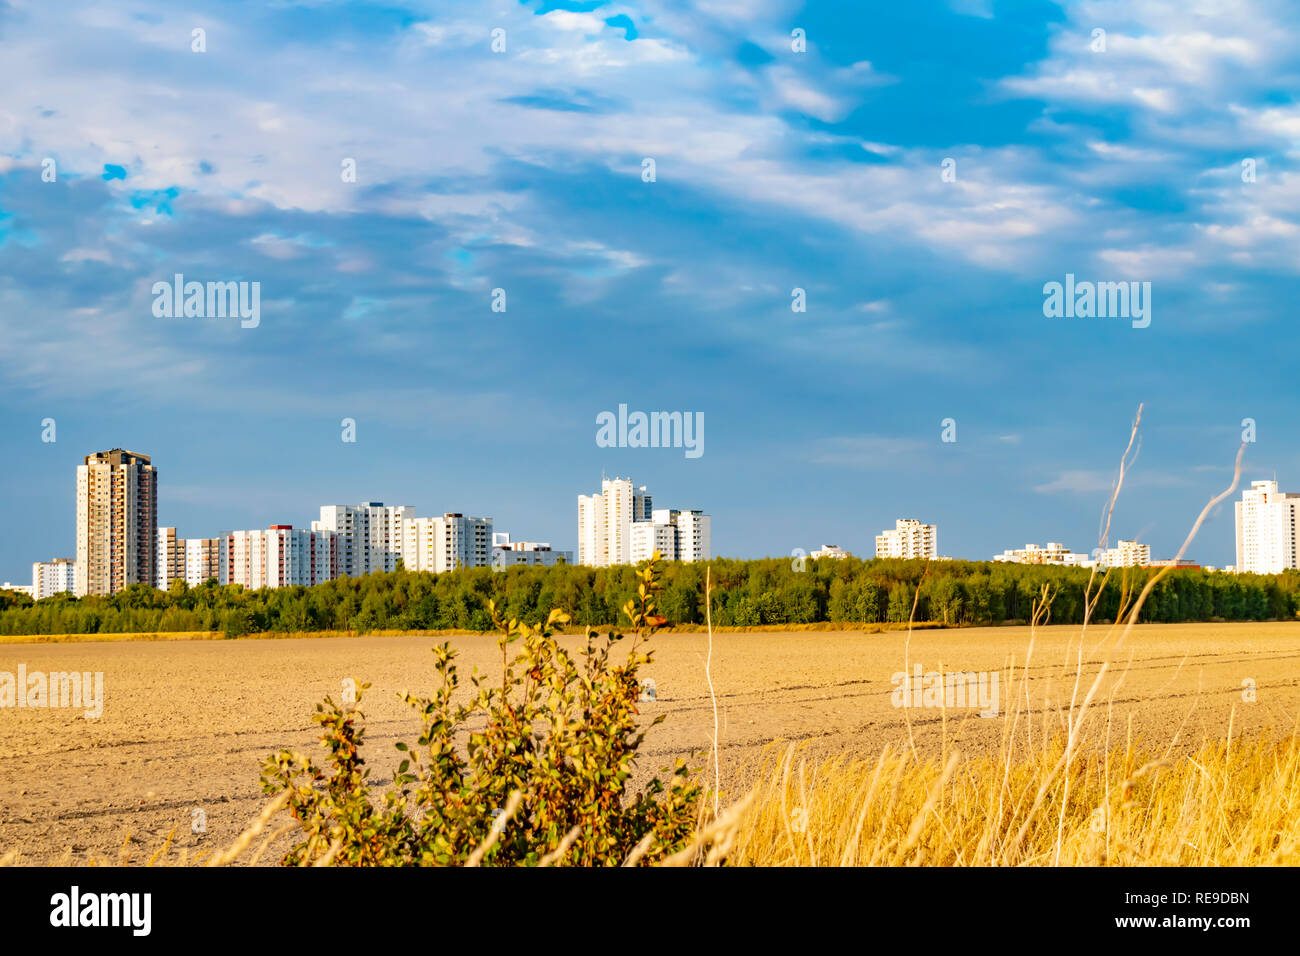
{"points": [[1116, 157]]}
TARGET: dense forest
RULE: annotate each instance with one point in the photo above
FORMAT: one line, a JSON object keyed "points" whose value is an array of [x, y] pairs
{"points": [[745, 593]]}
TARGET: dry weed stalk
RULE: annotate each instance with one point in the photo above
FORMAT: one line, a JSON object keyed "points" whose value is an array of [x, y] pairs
{"points": [[232, 852], [708, 676]]}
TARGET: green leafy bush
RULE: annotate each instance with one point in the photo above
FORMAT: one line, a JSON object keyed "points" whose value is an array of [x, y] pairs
{"points": [[543, 777]]}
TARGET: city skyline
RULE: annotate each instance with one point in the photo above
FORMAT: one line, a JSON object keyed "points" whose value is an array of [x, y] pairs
{"points": [[415, 534]]}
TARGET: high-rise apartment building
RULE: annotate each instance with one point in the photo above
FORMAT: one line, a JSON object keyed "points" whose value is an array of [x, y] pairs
{"points": [[676, 535], [605, 521], [370, 535], [693, 536], [421, 545], [658, 534], [909, 539], [193, 560], [279, 556], [117, 522], [593, 541], [51, 577], [170, 563], [445, 543], [1266, 529], [202, 560]]}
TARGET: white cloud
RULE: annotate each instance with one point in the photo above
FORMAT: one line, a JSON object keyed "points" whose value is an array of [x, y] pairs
{"points": [[86, 255], [1077, 482]]}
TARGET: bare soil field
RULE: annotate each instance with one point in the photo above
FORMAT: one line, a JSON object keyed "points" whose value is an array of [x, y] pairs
{"points": [[187, 724]]}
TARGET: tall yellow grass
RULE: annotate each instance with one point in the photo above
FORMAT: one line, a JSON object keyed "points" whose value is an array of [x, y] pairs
{"points": [[1227, 804], [1062, 798]]}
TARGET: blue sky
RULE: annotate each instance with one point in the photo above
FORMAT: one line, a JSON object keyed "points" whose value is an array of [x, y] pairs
{"points": [[775, 170]]}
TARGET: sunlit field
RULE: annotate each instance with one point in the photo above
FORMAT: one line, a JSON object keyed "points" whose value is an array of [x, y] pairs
{"points": [[187, 724]]}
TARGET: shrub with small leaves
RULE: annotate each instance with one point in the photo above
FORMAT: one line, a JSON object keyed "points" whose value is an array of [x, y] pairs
{"points": [[543, 777]]}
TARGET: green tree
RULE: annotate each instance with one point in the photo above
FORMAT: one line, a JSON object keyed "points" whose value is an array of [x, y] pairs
{"points": [[900, 602]]}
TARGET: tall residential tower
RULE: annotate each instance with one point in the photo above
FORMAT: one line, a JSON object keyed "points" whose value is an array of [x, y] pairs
{"points": [[370, 535], [446, 543], [117, 522], [605, 522], [1266, 529]]}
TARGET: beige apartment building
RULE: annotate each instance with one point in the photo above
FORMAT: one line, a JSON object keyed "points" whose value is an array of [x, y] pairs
{"points": [[193, 560], [170, 564], [117, 522]]}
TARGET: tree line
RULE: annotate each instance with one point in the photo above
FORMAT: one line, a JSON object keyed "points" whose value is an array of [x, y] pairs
{"points": [[745, 594]]}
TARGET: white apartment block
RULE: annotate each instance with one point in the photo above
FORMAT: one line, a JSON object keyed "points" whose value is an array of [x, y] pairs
{"points": [[507, 553], [1127, 554], [694, 533], [17, 588], [909, 539], [445, 543], [52, 577], [676, 535], [1053, 553], [593, 544], [420, 545], [605, 522], [647, 537], [830, 551], [202, 560], [622, 526], [278, 557], [193, 560], [1266, 529], [467, 542], [370, 535]]}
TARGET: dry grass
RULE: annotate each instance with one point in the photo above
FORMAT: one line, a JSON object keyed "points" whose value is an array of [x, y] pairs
{"points": [[1045, 799], [876, 628], [217, 636], [1230, 804], [110, 638]]}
